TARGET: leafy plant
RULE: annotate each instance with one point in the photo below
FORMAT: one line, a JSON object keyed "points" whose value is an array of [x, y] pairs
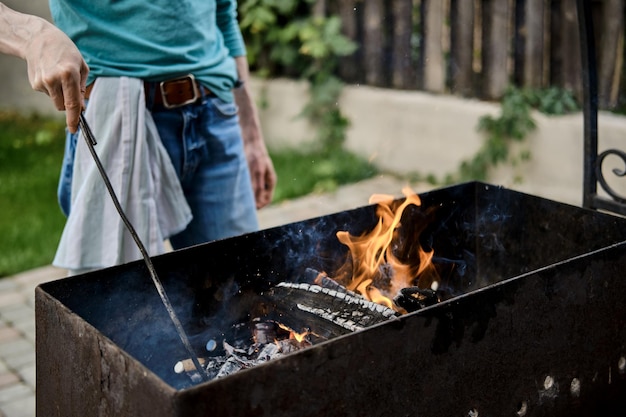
{"points": [[285, 38], [513, 124], [552, 101]]}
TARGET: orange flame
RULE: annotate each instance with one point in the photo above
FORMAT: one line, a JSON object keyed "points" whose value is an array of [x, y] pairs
{"points": [[299, 337], [376, 272]]}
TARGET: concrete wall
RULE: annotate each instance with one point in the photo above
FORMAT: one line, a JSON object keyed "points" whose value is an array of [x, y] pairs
{"points": [[407, 132]]}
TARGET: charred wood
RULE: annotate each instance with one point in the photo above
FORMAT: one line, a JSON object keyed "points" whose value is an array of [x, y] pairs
{"points": [[314, 277], [346, 311], [415, 298]]}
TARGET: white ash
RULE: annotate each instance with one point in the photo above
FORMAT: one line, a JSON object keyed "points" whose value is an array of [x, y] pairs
{"points": [[331, 316], [347, 297], [238, 359]]}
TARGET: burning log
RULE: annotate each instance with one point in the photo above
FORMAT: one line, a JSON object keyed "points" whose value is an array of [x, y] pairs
{"points": [[343, 309], [415, 298], [314, 277], [408, 299]]}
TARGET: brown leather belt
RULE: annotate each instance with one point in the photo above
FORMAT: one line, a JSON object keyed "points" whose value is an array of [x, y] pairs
{"points": [[170, 93]]}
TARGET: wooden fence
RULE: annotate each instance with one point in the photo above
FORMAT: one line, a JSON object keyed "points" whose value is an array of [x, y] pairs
{"points": [[476, 48]]}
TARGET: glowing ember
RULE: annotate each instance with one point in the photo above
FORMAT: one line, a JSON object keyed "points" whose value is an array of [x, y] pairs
{"points": [[374, 269], [299, 337]]}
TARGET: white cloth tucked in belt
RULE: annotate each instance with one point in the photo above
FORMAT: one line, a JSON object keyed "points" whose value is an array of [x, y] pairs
{"points": [[141, 174]]}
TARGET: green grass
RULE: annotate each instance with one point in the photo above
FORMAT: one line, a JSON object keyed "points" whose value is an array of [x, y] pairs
{"points": [[31, 151], [302, 172]]}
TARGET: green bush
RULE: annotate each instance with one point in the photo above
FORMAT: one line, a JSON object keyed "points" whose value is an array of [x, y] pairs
{"points": [[284, 38]]}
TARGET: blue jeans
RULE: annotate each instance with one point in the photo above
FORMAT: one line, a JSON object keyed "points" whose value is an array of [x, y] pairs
{"points": [[205, 145]]}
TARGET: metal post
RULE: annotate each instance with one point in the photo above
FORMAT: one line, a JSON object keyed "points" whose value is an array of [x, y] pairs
{"points": [[592, 173]]}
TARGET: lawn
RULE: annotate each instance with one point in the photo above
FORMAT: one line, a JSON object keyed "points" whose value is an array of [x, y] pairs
{"points": [[31, 150]]}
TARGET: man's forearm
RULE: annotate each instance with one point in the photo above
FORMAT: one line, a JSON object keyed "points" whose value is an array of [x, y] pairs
{"points": [[17, 30], [247, 108], [262, 171]]}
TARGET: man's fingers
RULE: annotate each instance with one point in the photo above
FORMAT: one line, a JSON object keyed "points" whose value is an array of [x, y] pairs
{"points": [[264, 188], [56, 94], [63, 77], [74, 87], [257, 188], [71, 118]]}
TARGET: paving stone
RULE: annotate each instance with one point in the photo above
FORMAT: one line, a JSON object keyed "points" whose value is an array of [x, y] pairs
{"points": [[21, 359], [13, 348], [25, 323], [17, 313], [21, 407], [27, 329], [27, 373], [8, 378], [8, 285], [15, 392], [40, 275], [12, 297], [8, 333]]}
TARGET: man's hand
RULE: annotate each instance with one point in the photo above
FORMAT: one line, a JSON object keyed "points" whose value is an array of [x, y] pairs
{"points": [[55, 66]]}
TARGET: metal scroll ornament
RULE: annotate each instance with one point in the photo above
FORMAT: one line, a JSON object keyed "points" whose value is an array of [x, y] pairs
{"points": [[618, 172]]}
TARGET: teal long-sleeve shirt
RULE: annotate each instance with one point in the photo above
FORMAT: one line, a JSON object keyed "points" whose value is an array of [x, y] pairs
{"points": [[156, 40]]}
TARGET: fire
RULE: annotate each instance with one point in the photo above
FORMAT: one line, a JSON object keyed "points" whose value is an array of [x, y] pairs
{"points": [[375, 269], [299, 337]]}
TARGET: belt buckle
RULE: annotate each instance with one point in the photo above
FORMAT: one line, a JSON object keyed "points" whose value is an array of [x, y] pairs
{"points": [[194, 85]]}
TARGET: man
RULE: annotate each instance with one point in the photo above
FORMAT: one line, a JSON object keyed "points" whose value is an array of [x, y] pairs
{"points": [[187, 58], [55, 66]]}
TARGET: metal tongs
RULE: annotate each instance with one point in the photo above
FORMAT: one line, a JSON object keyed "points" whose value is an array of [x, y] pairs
{"points": [[91, 142]]}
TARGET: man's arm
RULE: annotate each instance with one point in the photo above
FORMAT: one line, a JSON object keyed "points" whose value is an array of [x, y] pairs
{"points": [[259, 161], [55, 66]]}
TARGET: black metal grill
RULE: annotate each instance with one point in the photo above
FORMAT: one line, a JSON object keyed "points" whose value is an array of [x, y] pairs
{"points": [[533, 309]]}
